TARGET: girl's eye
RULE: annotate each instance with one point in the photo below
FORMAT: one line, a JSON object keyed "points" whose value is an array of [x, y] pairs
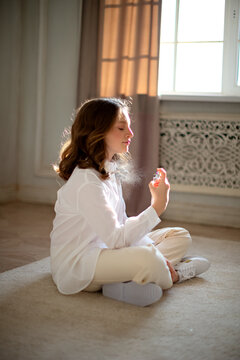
{"points": [[121, 129]]}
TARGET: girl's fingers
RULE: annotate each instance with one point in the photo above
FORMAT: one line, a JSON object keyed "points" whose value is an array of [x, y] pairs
{"points": [[162, 172], [161, 169], [162, 179]]}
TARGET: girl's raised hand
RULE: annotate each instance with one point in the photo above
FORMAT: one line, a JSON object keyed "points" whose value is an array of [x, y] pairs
{"points": [[160, 192]]}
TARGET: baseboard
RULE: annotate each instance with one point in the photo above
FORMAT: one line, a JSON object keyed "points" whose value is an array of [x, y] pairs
{"points": [[176, 211], [8, 193], [35, 194], [203, 214]]}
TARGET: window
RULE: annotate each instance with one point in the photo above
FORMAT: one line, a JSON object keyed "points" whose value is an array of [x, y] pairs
{"points": [[200, 47]]}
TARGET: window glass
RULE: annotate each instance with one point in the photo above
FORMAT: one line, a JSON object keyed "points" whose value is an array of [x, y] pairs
{"points": [[166, 68], [201, 20], [191, 47], [168, 21], [199, 67]]}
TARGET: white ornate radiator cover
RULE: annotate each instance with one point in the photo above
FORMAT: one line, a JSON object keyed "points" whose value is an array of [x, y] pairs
{"points": [[201, 152]]}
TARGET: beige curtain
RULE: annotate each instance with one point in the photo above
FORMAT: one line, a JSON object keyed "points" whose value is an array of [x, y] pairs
{"points": [[129, 47], [127, 65]]}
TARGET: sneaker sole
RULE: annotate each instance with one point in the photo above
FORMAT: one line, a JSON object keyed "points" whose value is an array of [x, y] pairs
{"points": [[133, 293]]}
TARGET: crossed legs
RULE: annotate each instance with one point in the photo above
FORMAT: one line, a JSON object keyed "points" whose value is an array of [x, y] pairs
{"points": [[143, 264]]}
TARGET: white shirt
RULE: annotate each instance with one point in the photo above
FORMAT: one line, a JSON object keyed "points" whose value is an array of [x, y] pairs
{"points": [[90, 216]]}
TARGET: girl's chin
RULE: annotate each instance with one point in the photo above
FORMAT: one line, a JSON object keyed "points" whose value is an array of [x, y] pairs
{"points": [[124, 149]]}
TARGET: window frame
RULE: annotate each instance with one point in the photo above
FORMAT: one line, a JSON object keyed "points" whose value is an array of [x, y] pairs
{"points": [[230, 89], [230, 48]]}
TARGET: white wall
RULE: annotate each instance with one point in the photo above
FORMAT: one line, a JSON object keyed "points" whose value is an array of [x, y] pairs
{"points": [[10, 40], [40, 66]]}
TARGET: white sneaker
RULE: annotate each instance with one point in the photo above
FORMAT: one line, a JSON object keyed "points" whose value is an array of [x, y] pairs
{"points": [[133, 293], [191, 266]]}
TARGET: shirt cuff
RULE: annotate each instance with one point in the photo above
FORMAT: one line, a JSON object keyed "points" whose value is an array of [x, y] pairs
{"points": [[153, 217]]}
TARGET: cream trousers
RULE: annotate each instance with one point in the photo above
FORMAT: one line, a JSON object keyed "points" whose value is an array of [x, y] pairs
{"points": [[142, 264]]}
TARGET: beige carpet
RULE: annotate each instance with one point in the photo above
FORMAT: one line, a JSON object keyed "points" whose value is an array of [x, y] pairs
{"points": [[198, 319]]}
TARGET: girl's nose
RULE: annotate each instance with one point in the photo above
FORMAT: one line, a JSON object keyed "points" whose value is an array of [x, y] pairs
{"points": [[130, 133]]}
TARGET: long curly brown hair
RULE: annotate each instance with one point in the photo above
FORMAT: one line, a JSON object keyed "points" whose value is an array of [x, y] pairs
{"points": [[86, 147]]}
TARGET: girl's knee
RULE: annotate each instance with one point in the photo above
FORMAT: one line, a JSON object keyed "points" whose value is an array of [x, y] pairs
{"points": [[184, 235], [149, 256]]}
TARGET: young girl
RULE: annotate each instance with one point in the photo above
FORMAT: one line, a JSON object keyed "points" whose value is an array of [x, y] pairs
{"points": [[94, 245]]}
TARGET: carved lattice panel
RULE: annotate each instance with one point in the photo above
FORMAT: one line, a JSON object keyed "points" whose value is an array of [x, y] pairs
{"points": [[201, 152]]}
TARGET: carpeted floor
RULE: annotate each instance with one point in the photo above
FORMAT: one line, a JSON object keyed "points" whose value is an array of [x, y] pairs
{"points": [[198, 319]]}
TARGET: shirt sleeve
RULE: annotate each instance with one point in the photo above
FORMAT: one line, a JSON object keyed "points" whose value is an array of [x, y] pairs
{"points": [[94, 206]]}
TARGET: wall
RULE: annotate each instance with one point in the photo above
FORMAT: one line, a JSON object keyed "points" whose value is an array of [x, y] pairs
{"points": [[38, 94], [50, 64], [39, 63], [10, 40]]}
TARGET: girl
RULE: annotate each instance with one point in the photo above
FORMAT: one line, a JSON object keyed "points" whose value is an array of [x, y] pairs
{"points": [[94, 245]]}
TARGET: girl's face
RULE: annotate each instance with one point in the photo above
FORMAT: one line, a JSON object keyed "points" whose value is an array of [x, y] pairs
{"points": [[118, 138]]}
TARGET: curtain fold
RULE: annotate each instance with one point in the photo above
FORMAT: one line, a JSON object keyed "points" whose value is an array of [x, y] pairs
{"points": [[88, 57], [127, 66]]}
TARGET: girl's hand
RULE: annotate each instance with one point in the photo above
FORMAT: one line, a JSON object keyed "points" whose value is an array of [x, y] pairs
{"points": [[160, 192]]}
